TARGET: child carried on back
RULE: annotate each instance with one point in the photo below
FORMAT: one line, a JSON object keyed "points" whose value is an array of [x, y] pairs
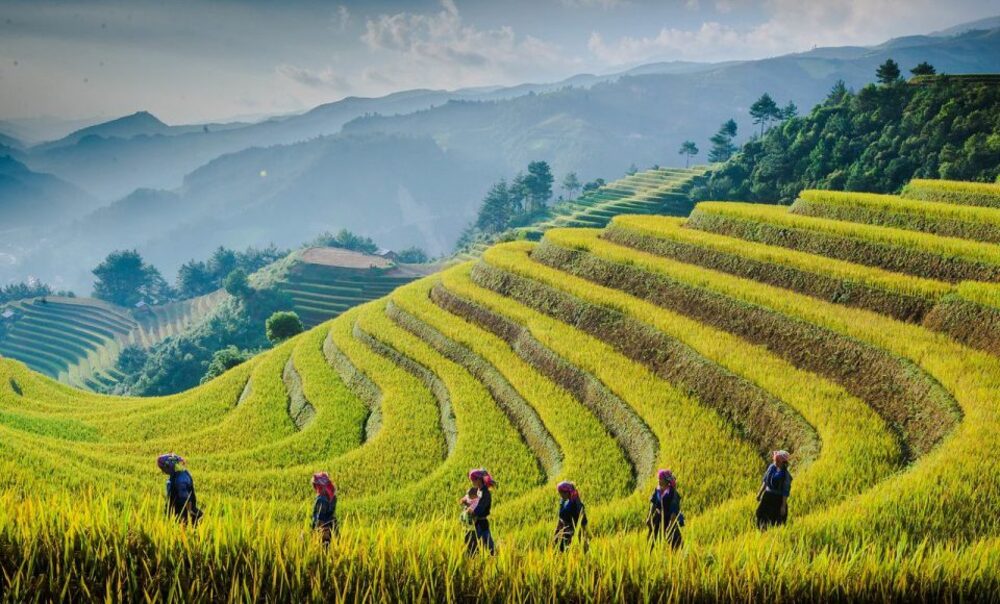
{"points": [[469, 503]]}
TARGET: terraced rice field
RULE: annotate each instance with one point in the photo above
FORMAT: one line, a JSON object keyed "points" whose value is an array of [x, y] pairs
{"points": [[77, 340], [657, 191], [594, 355], [328, 281]]}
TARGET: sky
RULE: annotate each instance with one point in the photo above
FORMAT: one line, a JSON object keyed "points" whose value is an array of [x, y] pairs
{"points": [[190, 62]]}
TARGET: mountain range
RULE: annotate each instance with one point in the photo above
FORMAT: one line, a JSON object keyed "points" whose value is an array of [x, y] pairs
{"points": [[408, 168]]}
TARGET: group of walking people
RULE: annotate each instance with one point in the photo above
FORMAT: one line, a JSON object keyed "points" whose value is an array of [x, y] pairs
{"points": [[664, 519]]}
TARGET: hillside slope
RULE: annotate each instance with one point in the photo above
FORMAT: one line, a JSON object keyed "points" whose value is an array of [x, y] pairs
{"points": [[78, 340], [595, 356]]}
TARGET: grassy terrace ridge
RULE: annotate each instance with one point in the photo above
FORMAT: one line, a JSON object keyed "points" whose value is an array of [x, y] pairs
{"points": [[900, 250], [966, 222], [77, 340], [325, 282], [593, 355], [655, 191], [956, 192], [899, 295]]}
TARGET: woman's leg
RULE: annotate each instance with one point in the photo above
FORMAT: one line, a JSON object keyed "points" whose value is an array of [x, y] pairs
{"points": [[769, 511], [485, 536]]}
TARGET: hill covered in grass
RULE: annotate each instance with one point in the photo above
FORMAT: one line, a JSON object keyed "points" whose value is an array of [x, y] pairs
{"points": [[836, 329], [78, 340]]}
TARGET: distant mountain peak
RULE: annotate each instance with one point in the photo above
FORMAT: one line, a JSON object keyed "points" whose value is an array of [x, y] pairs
{"points": [[981, 24], [139, 118], [140, 123]]}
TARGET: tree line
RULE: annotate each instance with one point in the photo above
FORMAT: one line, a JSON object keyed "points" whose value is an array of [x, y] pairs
{"points": [[875, 139], [526, 198]]}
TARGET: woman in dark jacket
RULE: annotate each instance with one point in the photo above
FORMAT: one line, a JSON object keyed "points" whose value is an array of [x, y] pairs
{"points": [[181, 500], [572, 515], [324, 517], [481, 536], [665, 518], [774, 492]]}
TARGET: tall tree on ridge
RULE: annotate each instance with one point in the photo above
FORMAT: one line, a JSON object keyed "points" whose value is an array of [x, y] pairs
{"points": [[764, 110], [722, 143], [888, 73], [571, 184], [538, 183], [688, 150]]}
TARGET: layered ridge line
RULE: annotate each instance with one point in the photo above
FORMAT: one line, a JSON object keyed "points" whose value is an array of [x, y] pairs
{"points": [[949, 191], [964, 222], [897, 250], [724, 470], [901, 296], [518, 410], [854, 436], [915, 405], [632, 433], [758, 416]]}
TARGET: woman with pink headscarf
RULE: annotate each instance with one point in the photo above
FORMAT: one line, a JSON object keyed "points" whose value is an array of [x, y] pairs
{"points": [[480, 535], [571, 515], [774, 492], [324, 518], [665, 519]]}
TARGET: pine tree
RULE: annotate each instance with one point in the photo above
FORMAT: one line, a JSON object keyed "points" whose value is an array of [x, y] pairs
{"points": [[688, 150], [722, 143], [496, 212], [888, 72], [764, 110]]}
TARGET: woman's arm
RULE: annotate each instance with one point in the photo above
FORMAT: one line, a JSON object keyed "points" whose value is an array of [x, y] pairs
{"points": [[482, 508], [317, 510]]}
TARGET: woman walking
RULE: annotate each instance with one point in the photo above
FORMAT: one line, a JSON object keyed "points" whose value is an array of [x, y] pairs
{"points": [[774, 492], [665, 519], [181, 500], [324, 517], [481, 536], [572, 515]]}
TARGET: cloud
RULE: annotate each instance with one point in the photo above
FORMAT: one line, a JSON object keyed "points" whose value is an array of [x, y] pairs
{"points": [[341, 18], [787, 26], [443, 48], [323, 79]]}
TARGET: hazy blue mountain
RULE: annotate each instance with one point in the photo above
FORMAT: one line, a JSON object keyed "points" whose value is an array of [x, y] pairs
{"points": [[643, 119], [113, 158], [34, 130], [139, 123], [30, 199], [411, 168], [9, 142], [401, 191], [988, 23]]}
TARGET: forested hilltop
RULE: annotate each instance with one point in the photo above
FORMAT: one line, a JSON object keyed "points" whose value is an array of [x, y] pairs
{"points": [[875, 139]]}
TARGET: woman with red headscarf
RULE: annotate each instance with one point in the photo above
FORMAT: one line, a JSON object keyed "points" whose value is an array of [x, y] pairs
{"points": [[665, 519], [324, 518], [480, 536], [571, 514], [774, 492]]}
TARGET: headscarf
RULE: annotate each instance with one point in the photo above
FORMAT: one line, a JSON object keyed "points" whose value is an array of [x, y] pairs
{"points": [[324, 486], [781, 456], [170, 463], [482, 474], [668, 477], [569, 489]]}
